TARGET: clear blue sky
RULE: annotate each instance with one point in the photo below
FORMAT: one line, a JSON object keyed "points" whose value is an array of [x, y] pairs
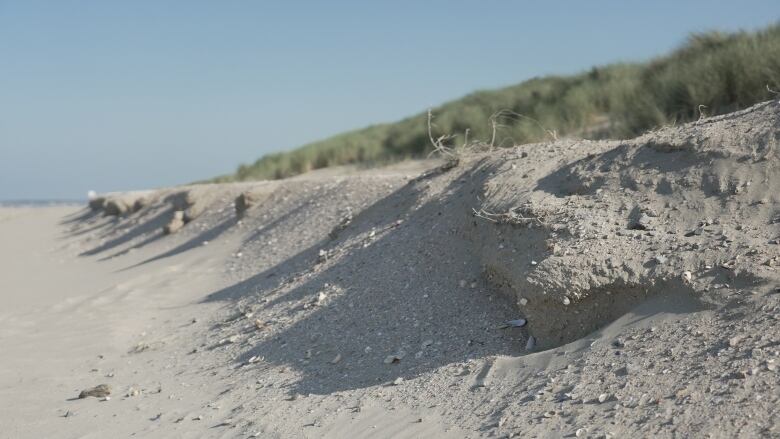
{"points": [[111, 95]]}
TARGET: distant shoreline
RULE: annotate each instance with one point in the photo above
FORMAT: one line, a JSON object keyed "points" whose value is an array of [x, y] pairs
{"points": [[40, 203]]}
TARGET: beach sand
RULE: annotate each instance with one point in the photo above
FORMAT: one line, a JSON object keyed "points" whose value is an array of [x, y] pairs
{"points": [[564, 289]]}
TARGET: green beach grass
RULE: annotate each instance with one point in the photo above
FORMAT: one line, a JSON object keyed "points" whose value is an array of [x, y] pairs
{"points": [[712, 73]]}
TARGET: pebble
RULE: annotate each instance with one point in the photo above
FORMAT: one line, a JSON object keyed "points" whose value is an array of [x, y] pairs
{"points": [[321, 298], [99, 391], [566, 301], [603, 398], [336, 359], [523, 301], [643, 223], [517, 323], [398, 381], [531, 343], [390, 359], [734, 341], [581, 432]]}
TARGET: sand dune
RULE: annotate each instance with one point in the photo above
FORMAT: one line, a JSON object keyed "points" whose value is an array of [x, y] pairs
{"points": [[375, 303]]}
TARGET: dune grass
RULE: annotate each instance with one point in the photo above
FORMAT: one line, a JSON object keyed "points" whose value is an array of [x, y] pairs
{"points": [[712, 73]]}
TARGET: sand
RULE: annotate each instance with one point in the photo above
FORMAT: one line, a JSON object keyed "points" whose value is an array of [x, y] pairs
{"points": [[372, 303]]}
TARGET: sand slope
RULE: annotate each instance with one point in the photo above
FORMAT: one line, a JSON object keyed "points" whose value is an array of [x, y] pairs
{"points": [[373, 304]]}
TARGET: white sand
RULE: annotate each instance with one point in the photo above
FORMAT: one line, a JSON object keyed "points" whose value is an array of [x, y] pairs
{"points": [[65, 311]]}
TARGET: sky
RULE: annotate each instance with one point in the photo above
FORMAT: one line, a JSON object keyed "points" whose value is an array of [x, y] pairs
{"points": [[120, 95]]}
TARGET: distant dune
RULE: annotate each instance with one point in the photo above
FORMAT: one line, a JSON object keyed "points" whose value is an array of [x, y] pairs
{"points": [[712, 73]]}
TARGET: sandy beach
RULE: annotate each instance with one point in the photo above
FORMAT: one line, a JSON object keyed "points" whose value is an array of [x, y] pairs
{"points": [[565, 289]]}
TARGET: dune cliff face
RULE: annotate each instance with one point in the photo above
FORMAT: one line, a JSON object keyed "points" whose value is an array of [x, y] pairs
{"points": [[616, 288], [589, 229]]}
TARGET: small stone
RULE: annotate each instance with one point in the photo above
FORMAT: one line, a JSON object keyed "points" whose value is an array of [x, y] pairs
{"points": [[566, 301], [660, 259], [517, 323], [336, 359], [531, 343], [321, 298], [642, 223], [392, 359], [581, 432], [603, 398], [687, 276], [198, 418], [398, 381], [523, 301], [734, 341], [99, 391]]}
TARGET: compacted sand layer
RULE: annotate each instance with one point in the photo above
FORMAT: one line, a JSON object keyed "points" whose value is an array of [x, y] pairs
{"points": [[572, 288]]}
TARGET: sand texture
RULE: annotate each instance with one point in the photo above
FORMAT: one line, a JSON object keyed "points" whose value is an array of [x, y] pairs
{"points": [[564, 289]]}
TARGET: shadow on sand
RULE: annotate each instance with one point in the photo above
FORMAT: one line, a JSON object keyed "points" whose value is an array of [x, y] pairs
{"points": [[399, 293]]}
